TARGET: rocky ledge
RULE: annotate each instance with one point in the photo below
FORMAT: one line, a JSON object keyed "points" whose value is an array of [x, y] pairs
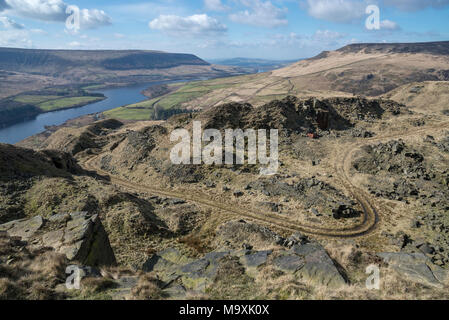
{"points": [[79, 236]]}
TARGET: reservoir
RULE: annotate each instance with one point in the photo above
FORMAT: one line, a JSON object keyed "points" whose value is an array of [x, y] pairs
{"points": [[115, 97]]}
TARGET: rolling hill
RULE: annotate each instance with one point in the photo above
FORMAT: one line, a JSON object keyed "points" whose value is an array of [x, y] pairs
{"points": [[255, 65], [30, 69], [357, 69], [46, 62], [429, 97]]}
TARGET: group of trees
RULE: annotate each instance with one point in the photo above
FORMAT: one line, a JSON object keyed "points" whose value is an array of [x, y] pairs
{"points": [[164, 114]]}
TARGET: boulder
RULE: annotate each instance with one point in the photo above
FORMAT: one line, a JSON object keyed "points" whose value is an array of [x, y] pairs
{"points": [[289, 263], [319, 267], [416, 267], [196, 274], [233, 234], [79, 236], [255, 259], [25, 228], [86, 240]]}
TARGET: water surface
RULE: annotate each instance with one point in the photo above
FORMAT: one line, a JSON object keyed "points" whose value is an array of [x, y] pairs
{"points": [[116, 97]]}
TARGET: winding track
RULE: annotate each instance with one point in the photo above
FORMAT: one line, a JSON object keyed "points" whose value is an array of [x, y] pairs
{"points": [[342, 170]]}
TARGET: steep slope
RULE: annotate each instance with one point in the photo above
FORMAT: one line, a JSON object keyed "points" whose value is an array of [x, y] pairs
{"points": [[425, 97]]}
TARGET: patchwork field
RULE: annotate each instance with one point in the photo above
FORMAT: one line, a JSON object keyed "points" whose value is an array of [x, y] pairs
{"points": [[66, 103], [28, 105]]}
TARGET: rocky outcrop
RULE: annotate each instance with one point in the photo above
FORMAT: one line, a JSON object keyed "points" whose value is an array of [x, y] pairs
{"points": [[233, 234], [308, 262], [79, 236], [416, 267], [292, 114], [20, 164], [24, 229], [393, 157], [318, 266]]}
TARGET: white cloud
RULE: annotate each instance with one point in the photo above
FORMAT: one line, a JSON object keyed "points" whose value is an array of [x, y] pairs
{"points": [[53, 10], [347, 11], [15, 38], [327, 35], [10, 24], [261, 13], [93, 18], [74, 44], [215, 5], [389, 25], [342, 11], [47, 10], [415, 5], [196, 25], [38, 31]]}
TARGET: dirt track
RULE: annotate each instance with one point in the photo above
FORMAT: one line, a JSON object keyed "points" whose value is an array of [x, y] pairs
{"points": [[342, 171]]}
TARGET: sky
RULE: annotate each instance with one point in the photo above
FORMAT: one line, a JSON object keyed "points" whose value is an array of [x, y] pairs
{"points": [[220, 29]]}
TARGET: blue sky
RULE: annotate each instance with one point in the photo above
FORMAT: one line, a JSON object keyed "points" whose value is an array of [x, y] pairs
{"points": [[270, 29]]}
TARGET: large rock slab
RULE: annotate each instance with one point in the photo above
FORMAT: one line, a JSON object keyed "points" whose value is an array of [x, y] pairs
{"points": [[319, 267], [196, 274], [308, 261], [25, 228], [289, 263], [416, 267], [255, 259], [79, 236], [86, 240]]}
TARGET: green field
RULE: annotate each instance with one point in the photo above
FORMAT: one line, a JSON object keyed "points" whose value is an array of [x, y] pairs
{"points": [[65, 103], [30, 104], [35, 99], [128, 113], [145, 110]]}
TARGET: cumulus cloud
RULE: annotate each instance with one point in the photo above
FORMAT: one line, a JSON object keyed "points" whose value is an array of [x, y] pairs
{"points": [[93, 18], [10, 24], [53, 10], [196, 25], [261, 13], [327, 35], [389, 25], [215, 5], [341, 11], [15, 38], [415, 5], [74, 44], [47, 10], [347, 11]]}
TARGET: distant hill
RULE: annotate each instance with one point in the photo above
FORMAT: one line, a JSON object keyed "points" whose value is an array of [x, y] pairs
{"points": [[48, 61], [371, 69], [31, 69], [437, 48], [357, 69], [258, 65]]}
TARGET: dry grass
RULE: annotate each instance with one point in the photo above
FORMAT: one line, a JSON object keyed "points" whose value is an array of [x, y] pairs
{"points": [[428, 97], [231, 282], [148, 288], [29, 274]]}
